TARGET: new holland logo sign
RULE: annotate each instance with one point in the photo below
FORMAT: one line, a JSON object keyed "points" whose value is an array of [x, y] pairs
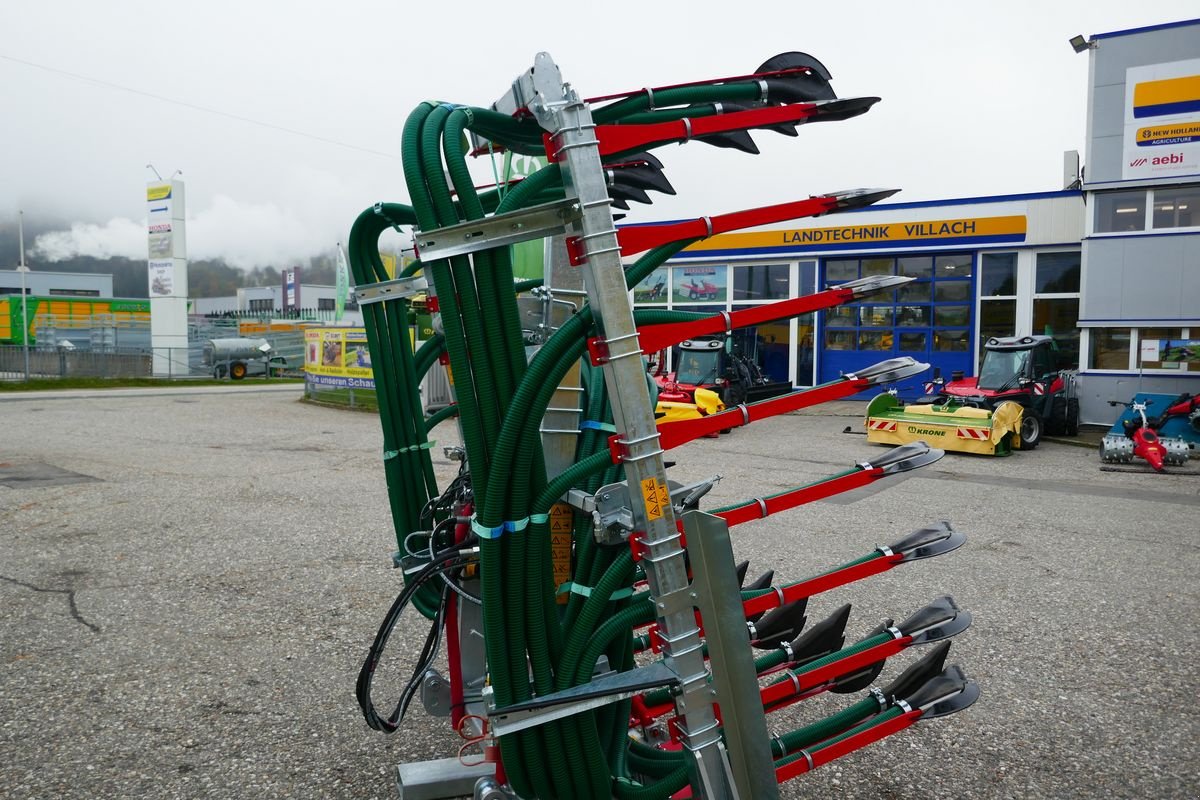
{"points": [[1162, 120]]}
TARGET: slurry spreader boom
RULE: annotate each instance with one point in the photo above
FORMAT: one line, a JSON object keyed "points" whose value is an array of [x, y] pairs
{"points": [[600, 640]]}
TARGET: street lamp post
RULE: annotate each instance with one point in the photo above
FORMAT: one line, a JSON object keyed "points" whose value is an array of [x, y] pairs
{"points": [[21, 268]]}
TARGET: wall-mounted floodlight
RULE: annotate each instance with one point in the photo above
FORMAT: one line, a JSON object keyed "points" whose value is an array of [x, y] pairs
{"points": [[1079, 43]]}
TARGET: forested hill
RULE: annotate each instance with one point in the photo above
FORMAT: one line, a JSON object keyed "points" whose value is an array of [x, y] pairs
{"points": [[205, 278]]}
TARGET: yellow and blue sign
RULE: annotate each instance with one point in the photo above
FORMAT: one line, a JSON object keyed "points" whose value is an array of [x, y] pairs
{"points": [[875, 235], [1159, 135], [1162, 121], [158, 191], [1166, 97], [338, 357]]}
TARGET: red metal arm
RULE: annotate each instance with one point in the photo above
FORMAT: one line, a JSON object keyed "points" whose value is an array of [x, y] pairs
{"points": [[644, 237], [658, 337], [622, 138], [847, 745], [811, 679], [797, 497], [673, 434], [820, 583]]}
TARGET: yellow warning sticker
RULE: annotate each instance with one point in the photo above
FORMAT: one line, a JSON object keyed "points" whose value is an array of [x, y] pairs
{"points": [[657, 497], [562, 522]]}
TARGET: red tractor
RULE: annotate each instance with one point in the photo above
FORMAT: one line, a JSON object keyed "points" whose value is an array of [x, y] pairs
{"points": [[1020, 369], [707, 363]]}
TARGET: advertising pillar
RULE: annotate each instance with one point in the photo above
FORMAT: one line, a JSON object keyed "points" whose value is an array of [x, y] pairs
{"points": [[168, 277]]}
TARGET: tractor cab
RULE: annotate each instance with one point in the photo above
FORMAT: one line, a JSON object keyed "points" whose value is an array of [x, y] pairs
{"points": [[1012, 361], [1024, 370]]}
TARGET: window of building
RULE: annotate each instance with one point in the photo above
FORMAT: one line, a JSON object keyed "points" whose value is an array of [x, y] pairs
{"points": [[932, 313], [325, 304], [1056, 302], [1058, 317], [263, 304], [653, 288], [1109, 348], [998, 275], [1174, 349], [996, 318], [760, 282], [1057, 273], [702, 283], [73, 292], [1120, 211], [1177, 208]]}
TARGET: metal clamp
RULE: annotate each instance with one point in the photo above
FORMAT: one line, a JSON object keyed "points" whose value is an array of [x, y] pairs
{"points": [[389, 290], [535, 222]]}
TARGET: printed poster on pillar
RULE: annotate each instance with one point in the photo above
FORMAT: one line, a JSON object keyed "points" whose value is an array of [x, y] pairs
{"points": [[1162, 121]]}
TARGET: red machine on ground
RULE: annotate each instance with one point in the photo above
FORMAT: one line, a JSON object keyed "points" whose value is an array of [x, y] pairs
{"points": [[706, 363], [1162, 440], [1024, 370]]}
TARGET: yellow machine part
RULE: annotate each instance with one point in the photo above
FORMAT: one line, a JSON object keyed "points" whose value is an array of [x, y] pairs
{"points": [[965, 429], [707, 402]]}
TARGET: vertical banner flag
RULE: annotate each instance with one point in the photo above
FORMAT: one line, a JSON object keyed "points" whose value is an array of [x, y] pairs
{"points": [[343, 284]]}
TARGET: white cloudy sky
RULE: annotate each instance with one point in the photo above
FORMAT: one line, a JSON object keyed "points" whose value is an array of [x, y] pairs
{"points": [[978, 98]]}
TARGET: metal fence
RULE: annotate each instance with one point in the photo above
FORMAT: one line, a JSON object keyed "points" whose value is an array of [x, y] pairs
{"points": [[85, 361]]}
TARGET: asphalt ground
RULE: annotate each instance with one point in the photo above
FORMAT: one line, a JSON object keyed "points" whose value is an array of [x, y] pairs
{"points": [[189, 582]]}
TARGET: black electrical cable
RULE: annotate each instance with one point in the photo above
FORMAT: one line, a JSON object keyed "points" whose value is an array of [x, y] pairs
{"points": [[456, 558]]}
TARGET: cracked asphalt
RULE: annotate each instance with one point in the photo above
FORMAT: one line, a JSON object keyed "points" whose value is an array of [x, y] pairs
{"points": [[189, 582]]}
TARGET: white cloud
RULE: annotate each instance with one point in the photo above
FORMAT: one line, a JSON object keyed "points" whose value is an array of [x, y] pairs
{"points": [[244, 234], [117, 238]]}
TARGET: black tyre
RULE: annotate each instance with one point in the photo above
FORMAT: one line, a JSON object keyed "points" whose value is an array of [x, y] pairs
{"points": [[237, 371], [1071, 425], [1031, 429]]}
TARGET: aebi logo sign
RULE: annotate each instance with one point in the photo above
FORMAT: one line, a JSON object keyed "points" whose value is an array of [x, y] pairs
{"points": [[1174, 158], [1158, 161]]}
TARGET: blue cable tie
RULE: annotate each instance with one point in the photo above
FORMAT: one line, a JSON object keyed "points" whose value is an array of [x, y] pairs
{"points": [[512, 526], [390, 454], [571, 587], [596, 425], [539, 519], [484, 532]]}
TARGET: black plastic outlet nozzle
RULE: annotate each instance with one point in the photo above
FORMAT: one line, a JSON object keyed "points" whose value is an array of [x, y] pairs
{"points": [[861, 679], [741, 570], [779, 625], [904, 458], [939, 620], [932, 540], [761, 582], [826, 637], [918, 673], [945, 694]]}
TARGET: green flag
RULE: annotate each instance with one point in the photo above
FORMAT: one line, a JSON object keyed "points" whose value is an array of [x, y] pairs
{"points": [[343, 284]]}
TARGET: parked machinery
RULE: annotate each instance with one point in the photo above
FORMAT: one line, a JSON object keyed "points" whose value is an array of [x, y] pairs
{"points": [[1167, 438], [593, 616], [1020, 393], [237, 357]]}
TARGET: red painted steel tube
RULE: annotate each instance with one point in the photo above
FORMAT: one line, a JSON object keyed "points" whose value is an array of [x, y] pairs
{"points": [[710, 82], [622, 138], [797, 497], [847, 746], [657, 337], [673, 434], [811, 679], [644, 237], [820, 583]]}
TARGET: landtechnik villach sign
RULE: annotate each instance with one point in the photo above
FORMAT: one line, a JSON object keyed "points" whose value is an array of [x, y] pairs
{"points": [[876, 235]]}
